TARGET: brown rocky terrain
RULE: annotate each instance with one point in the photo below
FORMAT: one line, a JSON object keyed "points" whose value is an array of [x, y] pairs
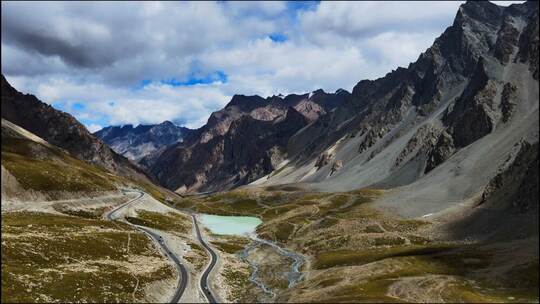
{"points": [[240, 143]]}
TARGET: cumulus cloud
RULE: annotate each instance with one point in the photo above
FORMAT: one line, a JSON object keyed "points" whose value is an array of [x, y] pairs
{"points": [[139, 62], [153, 103], [94, 127], [364, 19]]}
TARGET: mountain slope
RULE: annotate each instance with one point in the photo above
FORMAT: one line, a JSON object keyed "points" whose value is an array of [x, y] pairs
{"points": [[53, 206], [135, 143], [33, 168], [508, 207], [62, 130], [436, 129]]}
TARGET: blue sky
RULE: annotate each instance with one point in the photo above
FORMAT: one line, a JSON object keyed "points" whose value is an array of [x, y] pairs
{"points": [[146, 62], [278, 37]]}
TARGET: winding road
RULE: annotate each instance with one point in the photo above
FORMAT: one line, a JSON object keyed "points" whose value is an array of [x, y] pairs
{"points": [[213, 260], [154, 235], [183, 280]]}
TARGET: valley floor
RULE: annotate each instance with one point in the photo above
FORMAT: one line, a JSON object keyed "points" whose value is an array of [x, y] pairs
{"points": [[350, 252], [356, 253]]}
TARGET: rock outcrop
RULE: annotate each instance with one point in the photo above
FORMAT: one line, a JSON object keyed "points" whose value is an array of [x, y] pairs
{"points": [[442, 150], [516, 186], [508, 101], [338, 164], [323, 160]]}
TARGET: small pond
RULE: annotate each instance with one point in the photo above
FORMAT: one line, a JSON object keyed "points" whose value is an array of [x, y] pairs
{"points": [[231, 225]]}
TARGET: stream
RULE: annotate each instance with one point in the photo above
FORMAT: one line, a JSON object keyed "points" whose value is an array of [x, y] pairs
{"points": [[246, 226], [293, 276]]}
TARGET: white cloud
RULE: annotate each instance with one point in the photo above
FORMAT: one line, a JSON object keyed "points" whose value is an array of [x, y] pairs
{"points": [[151, 104], [259, 8], [364, 19], [506, 3], [398, 49], [94, 127], [96, 53]]}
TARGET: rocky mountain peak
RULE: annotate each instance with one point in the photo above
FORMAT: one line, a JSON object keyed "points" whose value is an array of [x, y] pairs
{"points": [[293, 115], [245, 102], [245, 119], [316, 93], [485, 12], [167, 124], [6, 87], [341, 91]]}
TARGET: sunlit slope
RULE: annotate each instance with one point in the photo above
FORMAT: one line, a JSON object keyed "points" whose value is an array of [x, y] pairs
{"points": [[34, 169]]}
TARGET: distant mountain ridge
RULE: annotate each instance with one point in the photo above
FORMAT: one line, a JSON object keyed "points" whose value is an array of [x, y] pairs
{"points": [[135, 143]]}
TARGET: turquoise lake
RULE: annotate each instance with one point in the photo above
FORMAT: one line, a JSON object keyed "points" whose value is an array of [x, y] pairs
{"points": [[231, 225]]}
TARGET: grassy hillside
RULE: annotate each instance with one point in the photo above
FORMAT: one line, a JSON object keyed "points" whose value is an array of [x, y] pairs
{"points": [[48, 258], [76, 256], [171, 222], [42, 168]]}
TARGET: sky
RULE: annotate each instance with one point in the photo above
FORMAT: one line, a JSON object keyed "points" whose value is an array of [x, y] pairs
{"points": [[115, 63]]}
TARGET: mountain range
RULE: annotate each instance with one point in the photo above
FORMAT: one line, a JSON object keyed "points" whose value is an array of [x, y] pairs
{"points": [[444, 121], [468, 91], [240, 143]]}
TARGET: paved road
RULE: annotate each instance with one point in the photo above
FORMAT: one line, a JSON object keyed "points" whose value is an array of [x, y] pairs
{"points": [[182, 282], [112, 215], [183, 279], [213, 260]]}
